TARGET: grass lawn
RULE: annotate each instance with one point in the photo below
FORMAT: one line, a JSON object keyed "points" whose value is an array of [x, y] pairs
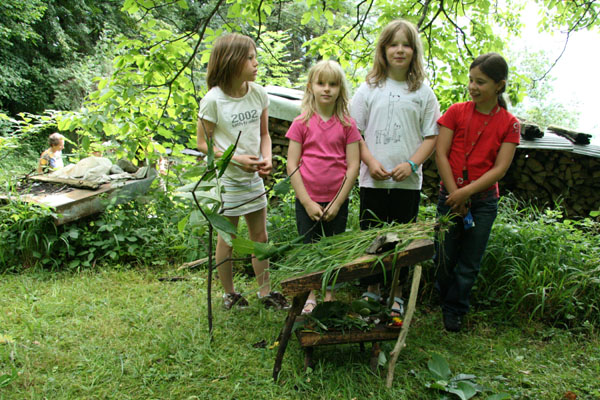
{"points": [[123, 334]]}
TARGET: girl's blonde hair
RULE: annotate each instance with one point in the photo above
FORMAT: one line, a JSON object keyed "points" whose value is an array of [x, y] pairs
{"points": [[416, 71], [327, 70], [227, 58]]}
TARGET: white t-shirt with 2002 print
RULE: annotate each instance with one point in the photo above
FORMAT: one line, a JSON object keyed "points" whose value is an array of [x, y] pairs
{"points": [[232, 115]]}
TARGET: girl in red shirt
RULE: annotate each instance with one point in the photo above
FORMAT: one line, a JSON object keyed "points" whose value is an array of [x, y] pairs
{"points": [[475, 147]]}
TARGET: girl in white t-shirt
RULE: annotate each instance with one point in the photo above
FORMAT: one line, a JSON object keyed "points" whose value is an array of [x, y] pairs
{"points": [[323, 157], [397, 114], [235, 107]]}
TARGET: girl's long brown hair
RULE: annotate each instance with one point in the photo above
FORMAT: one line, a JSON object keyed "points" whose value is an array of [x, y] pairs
{"points": [[416, 71], [496, 68], [227, 57]]}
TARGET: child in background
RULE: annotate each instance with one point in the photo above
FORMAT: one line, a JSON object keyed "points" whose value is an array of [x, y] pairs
{"points": [[51, 158], [476, 145], [396, 113], [324, 144], [236, 105]]}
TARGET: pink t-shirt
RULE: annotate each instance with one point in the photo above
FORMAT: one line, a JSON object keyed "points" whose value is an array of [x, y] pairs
{"points": [[323, 155]]}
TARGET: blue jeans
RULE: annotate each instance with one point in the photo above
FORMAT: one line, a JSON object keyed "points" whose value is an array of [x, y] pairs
{"points": [[458, 256]]}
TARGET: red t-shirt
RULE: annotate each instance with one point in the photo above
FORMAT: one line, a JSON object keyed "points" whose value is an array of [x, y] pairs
{"points": [[486, 133]]}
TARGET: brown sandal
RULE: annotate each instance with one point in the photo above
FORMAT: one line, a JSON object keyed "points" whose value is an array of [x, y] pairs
{"points": [[275, 300], [234, 299]]}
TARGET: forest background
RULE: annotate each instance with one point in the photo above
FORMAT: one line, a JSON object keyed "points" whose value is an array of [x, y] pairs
{"points": [[132, 73]]}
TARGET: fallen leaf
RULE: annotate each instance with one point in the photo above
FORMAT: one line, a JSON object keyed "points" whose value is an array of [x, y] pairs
{"points": [[570, 396], [5, 339]]}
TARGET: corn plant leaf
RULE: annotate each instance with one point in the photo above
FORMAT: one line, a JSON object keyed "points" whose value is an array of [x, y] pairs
{"points": [[220, 223], [243, 246], [224, 160]]}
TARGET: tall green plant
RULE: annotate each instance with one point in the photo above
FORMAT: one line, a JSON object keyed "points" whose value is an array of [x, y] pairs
{"points": [[541, 266]]}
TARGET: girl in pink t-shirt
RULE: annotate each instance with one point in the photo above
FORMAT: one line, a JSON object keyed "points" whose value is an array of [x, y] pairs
{"points": [[323, 157]]}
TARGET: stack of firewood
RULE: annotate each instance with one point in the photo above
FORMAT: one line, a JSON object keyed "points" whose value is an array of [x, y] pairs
{"points": [[553, 176]]}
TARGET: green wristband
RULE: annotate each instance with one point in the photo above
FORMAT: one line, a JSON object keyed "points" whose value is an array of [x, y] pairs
{"points": [[413, 166]]}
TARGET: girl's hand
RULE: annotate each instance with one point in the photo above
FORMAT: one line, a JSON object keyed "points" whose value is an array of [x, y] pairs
{"points": [[377, 171], [247, 162], [458, 199], [314, 210], [401, 172], [265, 167], [461, 211], [331, 212]]}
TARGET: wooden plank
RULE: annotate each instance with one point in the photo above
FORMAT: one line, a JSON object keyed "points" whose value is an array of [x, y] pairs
{"points": [[415, 252], [378, 333], [78, 183]]}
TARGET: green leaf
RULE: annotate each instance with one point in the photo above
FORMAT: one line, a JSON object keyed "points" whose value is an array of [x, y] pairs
{"points": [[464, 390], [243, 245], [220, 222], [223, 162], [196, 219], [439, 367], [282, 187], [181, 224], [329, 17], [306, 18], [382, 359], [463, 377]]}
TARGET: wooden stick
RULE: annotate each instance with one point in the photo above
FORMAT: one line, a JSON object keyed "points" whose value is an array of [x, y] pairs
{"points": [[414, 289], [209, 283], [395, 284], [286, 331], [192, 264]]}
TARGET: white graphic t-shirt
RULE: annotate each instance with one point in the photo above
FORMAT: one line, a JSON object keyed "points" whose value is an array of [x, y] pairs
{"points": [[233, 115], [394, 121]]}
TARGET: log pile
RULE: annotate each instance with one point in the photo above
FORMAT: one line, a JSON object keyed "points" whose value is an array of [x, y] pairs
{"points": [[546, 177], [278, 128]]}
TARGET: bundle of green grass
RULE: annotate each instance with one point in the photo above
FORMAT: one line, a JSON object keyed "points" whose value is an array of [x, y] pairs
{"points": [[329, 253]]}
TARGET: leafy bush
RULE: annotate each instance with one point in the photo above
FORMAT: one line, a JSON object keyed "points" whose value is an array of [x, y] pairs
{"points": [[543, 267], [143, 231]]}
